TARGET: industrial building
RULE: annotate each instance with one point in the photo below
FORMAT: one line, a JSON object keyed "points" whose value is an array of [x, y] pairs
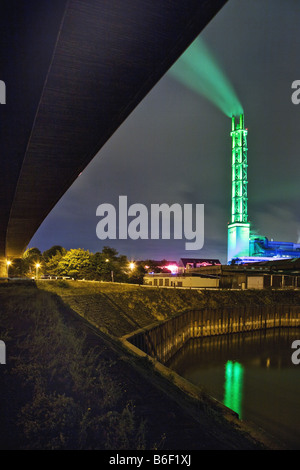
{"points": [[186, 273], [253, 262], [277, 274], [242, 248], [191, 263], [197, 281], [274, 274]]}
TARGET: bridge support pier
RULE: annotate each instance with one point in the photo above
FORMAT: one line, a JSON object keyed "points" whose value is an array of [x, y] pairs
{"points": [[3, 267]]}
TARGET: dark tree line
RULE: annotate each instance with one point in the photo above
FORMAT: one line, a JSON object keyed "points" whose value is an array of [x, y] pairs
{"points": [[106, 265]]}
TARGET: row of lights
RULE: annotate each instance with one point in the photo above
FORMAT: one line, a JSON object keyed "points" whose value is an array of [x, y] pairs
{"points": [[131, 265], [37, 266]]}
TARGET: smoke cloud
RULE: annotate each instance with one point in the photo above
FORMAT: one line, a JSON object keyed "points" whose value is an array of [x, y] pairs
{"points": [[198, 70]]}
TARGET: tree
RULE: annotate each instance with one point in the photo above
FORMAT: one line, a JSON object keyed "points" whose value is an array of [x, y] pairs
{"points": [[30, 258], [110, 253], [75, 263], [54, 250], [137, 274], [33, 254], [105, 267], [17, 268], [78, 263], [51, 266], [52, 257], [108, 266]]}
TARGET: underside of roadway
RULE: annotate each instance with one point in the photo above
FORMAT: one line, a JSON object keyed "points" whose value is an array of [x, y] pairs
{"points": [[176, 417]]}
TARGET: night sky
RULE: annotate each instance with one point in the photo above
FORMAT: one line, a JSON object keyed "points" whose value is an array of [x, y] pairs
{"points": [[176, 147]]}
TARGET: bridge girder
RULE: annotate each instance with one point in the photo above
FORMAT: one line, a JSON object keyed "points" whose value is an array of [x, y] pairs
{"points": [[74, 70]]}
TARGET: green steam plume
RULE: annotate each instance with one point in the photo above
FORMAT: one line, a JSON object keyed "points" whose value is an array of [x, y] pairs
{"points": [[198, 70]]}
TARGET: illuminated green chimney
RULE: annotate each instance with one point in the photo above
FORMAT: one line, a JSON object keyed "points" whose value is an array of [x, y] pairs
{"points": [[239, 212], [239, 228]]}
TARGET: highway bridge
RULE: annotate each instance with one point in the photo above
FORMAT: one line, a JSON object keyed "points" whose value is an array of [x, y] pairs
{"points": [[74, 70]]}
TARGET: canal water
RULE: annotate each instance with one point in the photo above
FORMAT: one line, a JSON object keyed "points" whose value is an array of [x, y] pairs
{"points": [[253, 374]]}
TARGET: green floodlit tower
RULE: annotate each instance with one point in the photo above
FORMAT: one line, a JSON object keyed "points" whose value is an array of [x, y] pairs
{"points": [[239, 228]]}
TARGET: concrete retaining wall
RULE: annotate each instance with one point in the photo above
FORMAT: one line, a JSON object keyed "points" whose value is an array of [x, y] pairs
{"points": [[163, 340]]}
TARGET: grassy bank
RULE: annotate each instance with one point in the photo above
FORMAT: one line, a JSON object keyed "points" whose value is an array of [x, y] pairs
{"points": [[120, 309], [56, 390], [69, 386]]}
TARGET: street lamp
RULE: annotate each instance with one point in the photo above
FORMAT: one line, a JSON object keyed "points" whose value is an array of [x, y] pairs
{"points": [[37, 269], [8, 263], [131, 266]]}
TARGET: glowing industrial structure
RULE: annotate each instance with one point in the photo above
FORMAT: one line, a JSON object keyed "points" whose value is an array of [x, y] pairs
{"points": [[242, 248], [239, 228]]}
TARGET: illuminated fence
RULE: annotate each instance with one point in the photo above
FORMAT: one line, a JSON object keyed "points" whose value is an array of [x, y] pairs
{"points": [[165, 339]]}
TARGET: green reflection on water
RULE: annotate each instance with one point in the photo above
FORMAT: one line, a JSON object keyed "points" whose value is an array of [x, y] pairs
{"points": [[233, 387]]}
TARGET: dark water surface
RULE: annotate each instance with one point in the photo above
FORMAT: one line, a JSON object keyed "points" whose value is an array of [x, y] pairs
{"points": [[251, 373]]}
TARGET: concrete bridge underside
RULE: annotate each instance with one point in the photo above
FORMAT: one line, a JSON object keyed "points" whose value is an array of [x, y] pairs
{"points": [[74, 70]]}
